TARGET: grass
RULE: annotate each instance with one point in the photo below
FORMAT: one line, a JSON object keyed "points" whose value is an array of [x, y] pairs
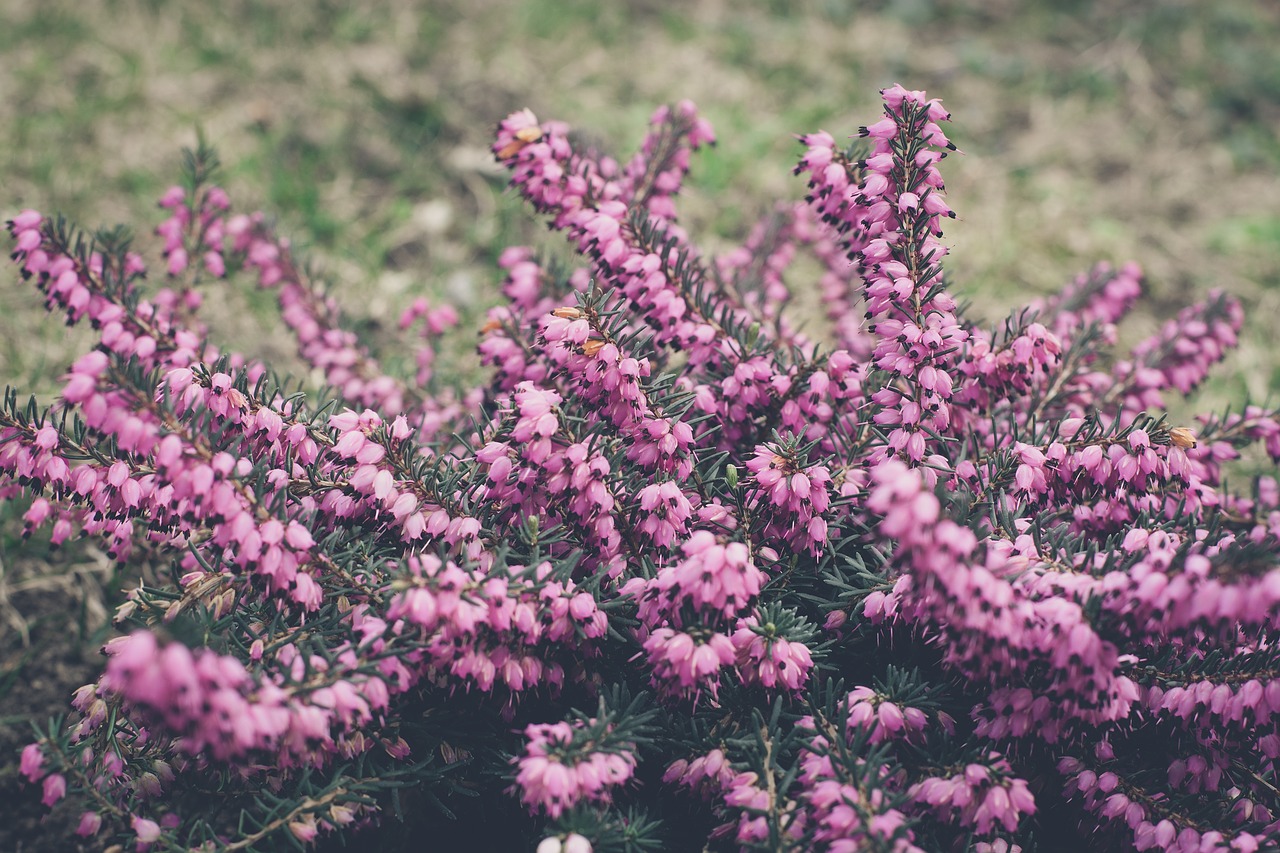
{"points": [[1090, 130]]}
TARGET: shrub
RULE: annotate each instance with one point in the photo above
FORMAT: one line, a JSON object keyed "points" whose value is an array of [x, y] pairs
{"points": [[676, 574]]}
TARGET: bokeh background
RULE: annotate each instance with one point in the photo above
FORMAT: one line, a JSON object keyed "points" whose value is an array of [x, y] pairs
{"points": [[1106, 130]]}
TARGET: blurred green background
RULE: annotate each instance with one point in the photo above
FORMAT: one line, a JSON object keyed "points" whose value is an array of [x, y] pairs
{"points": [[1090, 130], [1109, 130]]}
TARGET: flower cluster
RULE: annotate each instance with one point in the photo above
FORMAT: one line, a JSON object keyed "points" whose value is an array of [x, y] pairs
{"points": [[219, 709], [790, 499], [767, 658], [935, 584], [552, 778], [714, 582], [486, 630], [981, 796]]}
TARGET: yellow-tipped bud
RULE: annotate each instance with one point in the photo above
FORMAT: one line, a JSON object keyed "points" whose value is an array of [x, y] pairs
{"points": [[524, 136]]}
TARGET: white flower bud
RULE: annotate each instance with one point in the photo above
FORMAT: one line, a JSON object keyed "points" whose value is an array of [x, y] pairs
{"points": [[575, 843]]}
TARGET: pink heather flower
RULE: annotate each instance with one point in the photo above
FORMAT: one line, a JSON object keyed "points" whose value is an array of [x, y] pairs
{"points": [[27, 241], [90, 823], [32, 762], [173, 197], [981, 796], [27, 220], [177, 262], [554, 775], [667, 510], [148, 831], [710, 773], [792, 498], [304, 829], [714, 579], [683, 664], [770, 661], [55, 788]]}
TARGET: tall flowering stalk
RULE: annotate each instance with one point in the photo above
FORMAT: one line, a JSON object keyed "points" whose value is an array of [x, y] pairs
{"points": [[678, 575]]}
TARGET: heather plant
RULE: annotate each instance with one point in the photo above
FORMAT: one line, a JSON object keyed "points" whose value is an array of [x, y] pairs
{"points": [[678, 573]]}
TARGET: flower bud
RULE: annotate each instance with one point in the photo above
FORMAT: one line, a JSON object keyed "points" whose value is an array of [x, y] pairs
{"points": [[90, 822]]}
